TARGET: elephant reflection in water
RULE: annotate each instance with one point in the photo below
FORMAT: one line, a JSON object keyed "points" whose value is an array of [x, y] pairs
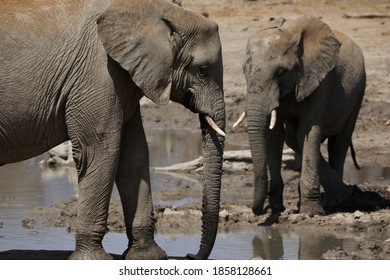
{"points": [[276, 244]]}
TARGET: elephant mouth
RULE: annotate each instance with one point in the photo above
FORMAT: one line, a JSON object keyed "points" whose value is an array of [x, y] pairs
{"points": [[188, 100]]}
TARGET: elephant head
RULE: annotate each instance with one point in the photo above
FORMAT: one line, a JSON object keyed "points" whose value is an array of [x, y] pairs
{"points": [[174, 54], [286, 58]]}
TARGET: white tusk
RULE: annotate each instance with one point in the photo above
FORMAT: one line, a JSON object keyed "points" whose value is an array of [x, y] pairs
{"points": [[192, 91], [273, 119], [240, 119], [214, 126]]}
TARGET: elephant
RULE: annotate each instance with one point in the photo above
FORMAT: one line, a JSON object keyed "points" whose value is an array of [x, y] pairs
{"points": [[307, 83], [77, 69]]}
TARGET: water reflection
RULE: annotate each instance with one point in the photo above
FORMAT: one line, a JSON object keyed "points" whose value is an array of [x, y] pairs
{"points": [[366, 173], [303, 244], [169, 146], [24, 185], [269, 243]]}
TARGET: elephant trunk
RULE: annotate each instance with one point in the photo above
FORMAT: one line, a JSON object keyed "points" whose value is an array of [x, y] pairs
{"points": [[257, 120], [213, 144]]}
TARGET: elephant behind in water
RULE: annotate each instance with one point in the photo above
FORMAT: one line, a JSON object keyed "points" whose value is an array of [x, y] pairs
{"points": [[305, 85], [77, 69]]}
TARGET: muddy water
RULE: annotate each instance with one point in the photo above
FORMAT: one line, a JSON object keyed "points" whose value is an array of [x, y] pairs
{"points": [[24, 186]]}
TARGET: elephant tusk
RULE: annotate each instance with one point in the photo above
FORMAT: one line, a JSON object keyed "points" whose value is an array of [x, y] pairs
{"points": [[214, 126], [273, 119], [240, 119], [193, 92], [388, 122]]}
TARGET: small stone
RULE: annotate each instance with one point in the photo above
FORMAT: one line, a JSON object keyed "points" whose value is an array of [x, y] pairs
{"points": [[357, 214], [224, 214]]}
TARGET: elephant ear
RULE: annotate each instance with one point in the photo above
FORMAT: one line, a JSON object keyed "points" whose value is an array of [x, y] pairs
{"points": [[274, 23], [142, 41], [318, 50]]}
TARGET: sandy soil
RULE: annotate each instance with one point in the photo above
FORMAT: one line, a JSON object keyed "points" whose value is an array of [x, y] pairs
{"points": [[239, 19]]}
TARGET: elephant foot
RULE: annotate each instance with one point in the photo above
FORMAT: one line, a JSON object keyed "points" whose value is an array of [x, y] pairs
{"points": [[150, 251], [99, 254], [193, 257], [276, 205], [277, 208], [311, 208], [360, 200]]}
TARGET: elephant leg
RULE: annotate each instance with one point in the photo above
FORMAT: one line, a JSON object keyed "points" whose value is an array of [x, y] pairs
{"points": [[337, 151], [336, 192], [291, 141], [309, 138], [338, 145], [133, 182], [275, 141], [94, 128], [96, 168]]}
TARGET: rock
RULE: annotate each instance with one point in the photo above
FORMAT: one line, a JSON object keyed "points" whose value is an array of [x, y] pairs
{"points": [[336, 254], [60, 155], [357, 214], [224, 214]]}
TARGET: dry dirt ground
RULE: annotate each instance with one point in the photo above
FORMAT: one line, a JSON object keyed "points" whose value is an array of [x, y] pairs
{"points": [[368, 24]]}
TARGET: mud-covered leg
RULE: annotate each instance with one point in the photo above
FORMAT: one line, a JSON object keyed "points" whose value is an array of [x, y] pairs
{"points": [[275, 141], [133, 181]]}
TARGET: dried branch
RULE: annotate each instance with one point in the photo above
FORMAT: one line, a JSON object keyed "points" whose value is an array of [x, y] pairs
{"points": [[366, 15]]}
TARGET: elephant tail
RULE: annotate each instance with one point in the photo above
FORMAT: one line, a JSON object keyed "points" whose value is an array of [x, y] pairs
{"points": [[353, 154]]}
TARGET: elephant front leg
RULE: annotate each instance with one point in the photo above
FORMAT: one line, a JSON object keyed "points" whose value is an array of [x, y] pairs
{"points": [[133, 182], [275, 141], [309, 184], [96, 169]]}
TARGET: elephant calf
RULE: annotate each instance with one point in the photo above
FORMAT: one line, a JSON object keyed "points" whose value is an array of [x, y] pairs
{"points": [[77, 70], [306, 83]]}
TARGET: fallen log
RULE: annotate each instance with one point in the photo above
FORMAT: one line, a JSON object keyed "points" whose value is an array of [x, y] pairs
{"points": [[366, 15], [232, 161]]}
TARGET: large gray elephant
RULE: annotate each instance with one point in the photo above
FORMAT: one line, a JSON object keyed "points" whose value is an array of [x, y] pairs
{"points": [[307, 83], [77, 69]]}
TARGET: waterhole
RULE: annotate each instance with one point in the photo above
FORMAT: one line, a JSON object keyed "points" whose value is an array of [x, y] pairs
{"points": [[24, 186]]}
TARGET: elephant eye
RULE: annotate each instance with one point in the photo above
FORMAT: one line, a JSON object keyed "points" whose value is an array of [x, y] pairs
{"points": [[203, 71], [280, 72]]}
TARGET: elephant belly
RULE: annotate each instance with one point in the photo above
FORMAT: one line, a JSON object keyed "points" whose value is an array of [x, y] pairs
{"points": [[22, 141], [335, 123]]}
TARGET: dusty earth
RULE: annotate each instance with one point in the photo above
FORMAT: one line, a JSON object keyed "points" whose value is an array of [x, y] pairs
{"points": [[368, 23]]}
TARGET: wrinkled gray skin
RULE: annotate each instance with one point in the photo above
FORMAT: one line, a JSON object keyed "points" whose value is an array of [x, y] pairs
{"points": [[76, 70], [315, 80]]}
